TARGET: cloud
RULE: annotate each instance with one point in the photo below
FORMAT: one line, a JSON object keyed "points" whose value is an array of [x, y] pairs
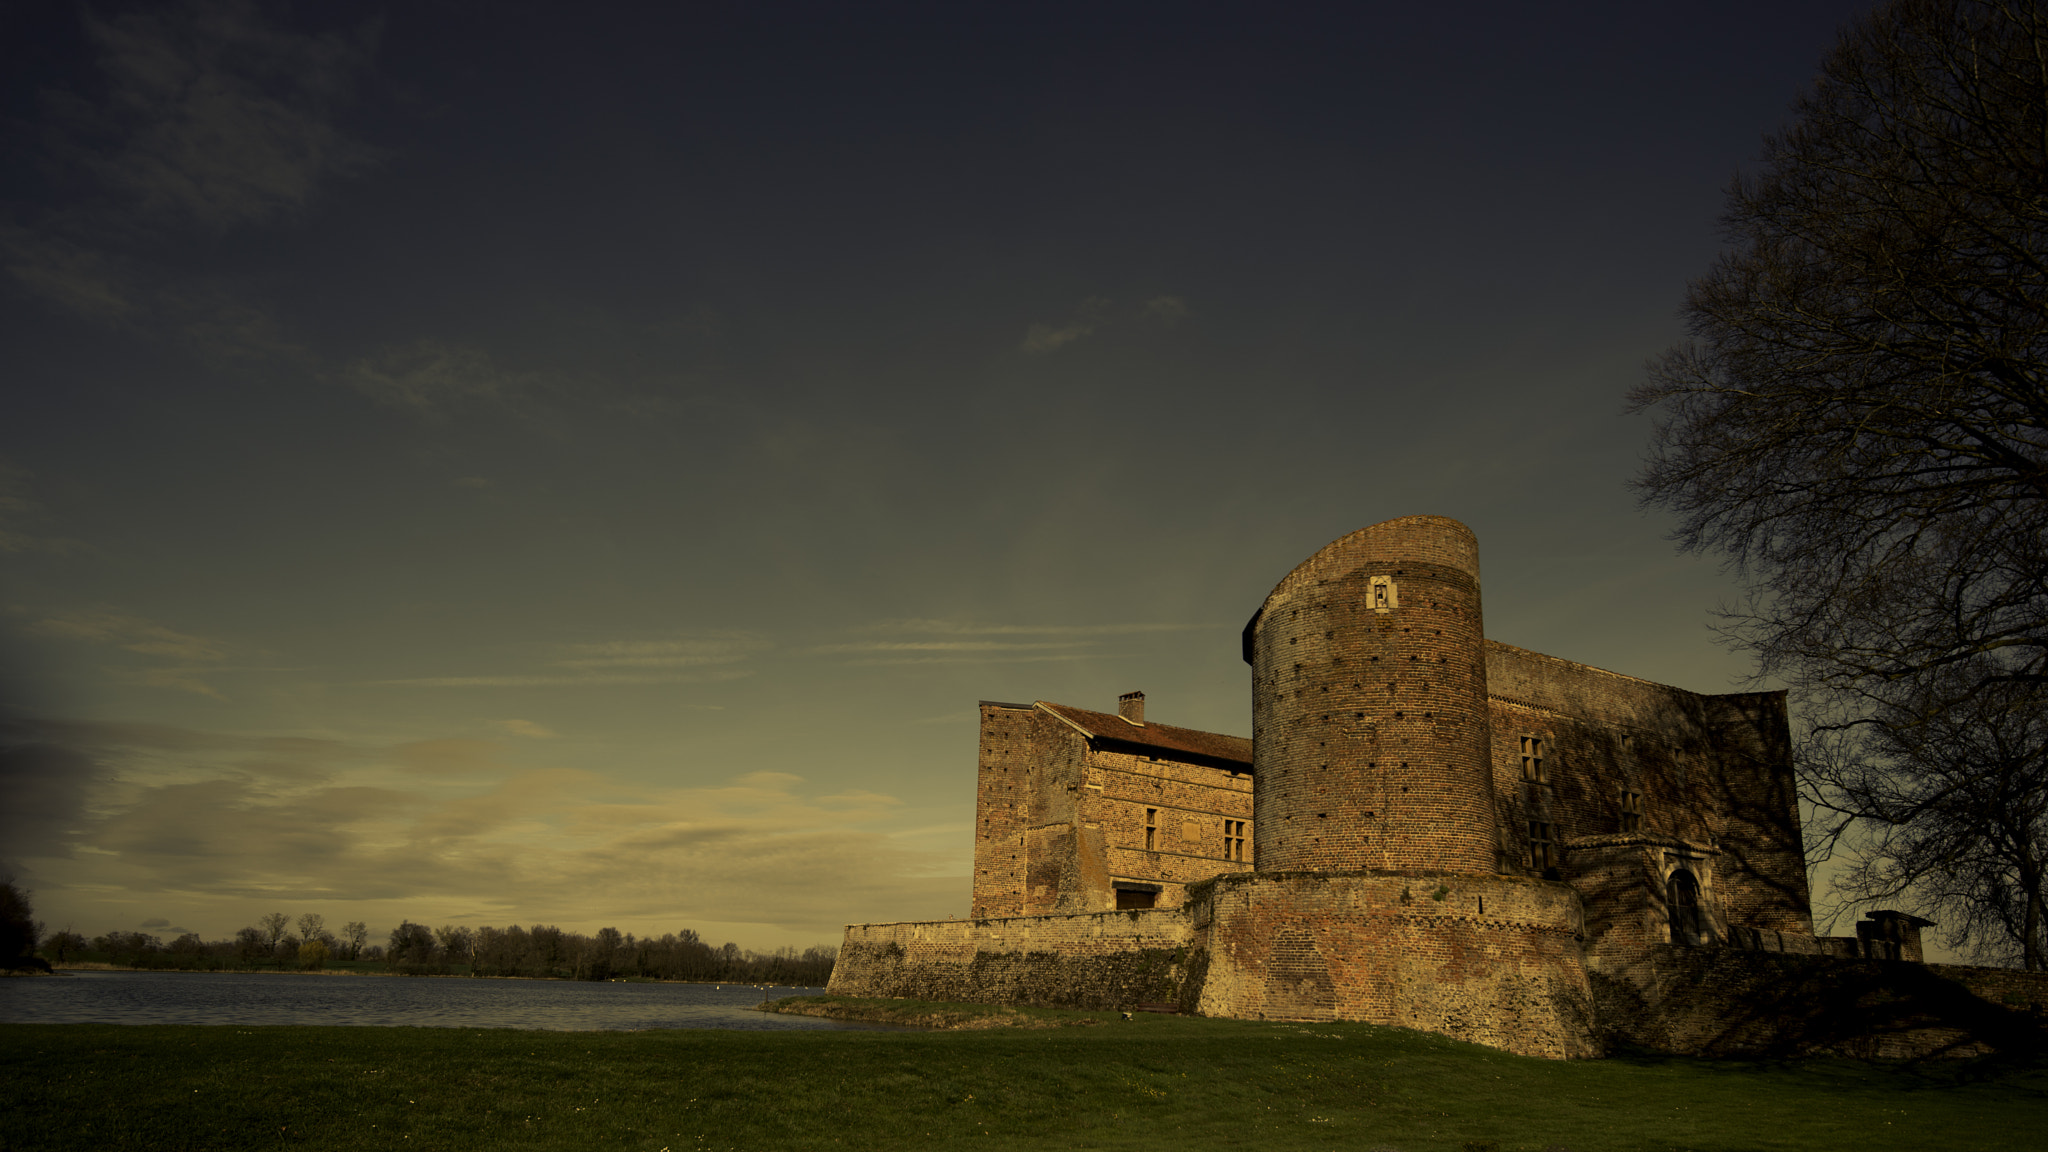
{"points": [[448, 757], [943, 646], [132, 633], [702, 660], [179, 679], [74, 277], [430, 376], [174, 814], [526, 728], [215, 117], [208, 117], [1168, 310], [969, 628], [1041, 339], [17, 507], [570, 681], [1063, 642], [156, 922]]}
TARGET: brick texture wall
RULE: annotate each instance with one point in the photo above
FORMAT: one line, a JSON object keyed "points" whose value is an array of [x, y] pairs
{"points": [[1488, 959], [1712, 775], [1733, 1002], [1369, 728], [1059, 822], [1097, 960]]}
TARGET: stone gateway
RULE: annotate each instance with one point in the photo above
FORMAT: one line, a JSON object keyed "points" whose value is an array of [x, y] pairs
{"points": [[1432, 830]]}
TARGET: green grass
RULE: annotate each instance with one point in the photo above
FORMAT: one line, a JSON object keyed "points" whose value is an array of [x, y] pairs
{"points": [[1155, 1082]]}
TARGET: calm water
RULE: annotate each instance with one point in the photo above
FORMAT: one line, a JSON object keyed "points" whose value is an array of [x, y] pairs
{"points": [[242, 998]]}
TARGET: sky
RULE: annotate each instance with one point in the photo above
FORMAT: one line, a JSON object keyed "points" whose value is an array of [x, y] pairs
{"points": [[582, 464]]}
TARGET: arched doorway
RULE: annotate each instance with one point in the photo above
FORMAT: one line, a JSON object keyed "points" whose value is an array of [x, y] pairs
{"points": [[1687, 927]]}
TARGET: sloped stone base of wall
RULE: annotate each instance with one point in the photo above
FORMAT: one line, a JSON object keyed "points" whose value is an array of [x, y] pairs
{"points": [[1490, 959], [1100, 960], [1730, 1002]]}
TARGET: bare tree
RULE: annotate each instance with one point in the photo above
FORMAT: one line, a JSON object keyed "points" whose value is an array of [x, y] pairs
{"points": [[355, 934], [312, 926], [1860, 424], [1954, 805], [274, 926]]}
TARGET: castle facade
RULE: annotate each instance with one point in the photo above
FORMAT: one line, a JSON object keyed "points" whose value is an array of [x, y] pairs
{"points": [[1427, 829]]}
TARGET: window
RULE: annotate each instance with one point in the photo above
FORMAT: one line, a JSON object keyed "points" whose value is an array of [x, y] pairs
{"points": [[1631, 811], [1532, 759], [1233, 839], [1542, 845], [1384, 596], [1127, 899], [1687, 926], [1151, 830]]}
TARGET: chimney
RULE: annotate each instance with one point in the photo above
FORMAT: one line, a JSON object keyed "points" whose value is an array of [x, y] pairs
{"points": [[1131, 706]]}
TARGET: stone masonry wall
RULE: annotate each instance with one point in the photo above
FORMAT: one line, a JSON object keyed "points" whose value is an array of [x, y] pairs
{"points": [[1714, 771], [1489, 959], [1369, 715], [1188, 804], [1004, 786], [1099, 960], [1735, 1002]]}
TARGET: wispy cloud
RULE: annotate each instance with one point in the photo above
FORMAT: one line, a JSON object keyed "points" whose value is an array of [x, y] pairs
{"points": [[970, 642], [431, 376], [972, 628], [195, 656], [1041, 339], [18, 509], [133, 633], [700, 660], [438, 827], [944, 646], [1168, 310], [215, 116], [208, 117]]}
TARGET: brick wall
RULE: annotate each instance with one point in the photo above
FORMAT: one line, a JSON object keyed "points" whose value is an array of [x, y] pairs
{"points": [[1712, 775], [1098, 960], [1488, 959], [1059, 822], [1369, 727], [1004, 788], [1735, 1002]]}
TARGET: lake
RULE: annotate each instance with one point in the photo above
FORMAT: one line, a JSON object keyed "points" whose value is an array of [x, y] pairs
{"points": [[113, 997]]}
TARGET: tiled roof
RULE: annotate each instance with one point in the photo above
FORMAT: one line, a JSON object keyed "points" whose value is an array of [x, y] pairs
{"points": [[1213, 747]]}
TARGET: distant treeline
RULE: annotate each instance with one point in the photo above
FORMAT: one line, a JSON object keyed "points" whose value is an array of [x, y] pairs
{"points": [[416, 950]]}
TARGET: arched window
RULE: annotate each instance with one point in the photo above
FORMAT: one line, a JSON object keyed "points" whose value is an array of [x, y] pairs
{"points": [[1686, 924]]}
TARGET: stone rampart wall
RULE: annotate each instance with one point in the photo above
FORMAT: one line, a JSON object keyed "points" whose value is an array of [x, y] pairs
{"points": [[1489, 959], [1094, 960], [1736, 1002]]}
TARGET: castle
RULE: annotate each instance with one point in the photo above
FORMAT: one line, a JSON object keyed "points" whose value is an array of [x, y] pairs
{"points": [[1427, 829]]}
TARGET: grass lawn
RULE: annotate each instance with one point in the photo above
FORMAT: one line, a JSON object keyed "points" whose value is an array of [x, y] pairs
{"points": [[1154, 1082]]}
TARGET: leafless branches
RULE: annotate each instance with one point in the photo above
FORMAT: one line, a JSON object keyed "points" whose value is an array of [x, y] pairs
{"points": [[1860, 424]]}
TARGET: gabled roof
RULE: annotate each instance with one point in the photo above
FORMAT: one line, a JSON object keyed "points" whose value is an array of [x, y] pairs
{"points": [[1108, 729]]}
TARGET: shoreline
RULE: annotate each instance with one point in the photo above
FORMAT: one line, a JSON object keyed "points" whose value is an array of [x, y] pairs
{"points": [[935, 1016]]}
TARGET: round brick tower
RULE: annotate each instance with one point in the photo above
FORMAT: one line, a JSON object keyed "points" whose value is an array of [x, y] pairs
{"points": [[1369, 717]]}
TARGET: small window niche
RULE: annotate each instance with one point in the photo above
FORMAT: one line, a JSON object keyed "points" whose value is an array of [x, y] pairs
{"points": [[1542, 846], [1533, 769], [1382, 594], [1688, 926], [1631, 810], [1130, 897], [1151, 831]]}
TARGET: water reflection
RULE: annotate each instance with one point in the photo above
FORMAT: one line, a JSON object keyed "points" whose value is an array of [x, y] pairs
{"points": [[76, 997]]}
